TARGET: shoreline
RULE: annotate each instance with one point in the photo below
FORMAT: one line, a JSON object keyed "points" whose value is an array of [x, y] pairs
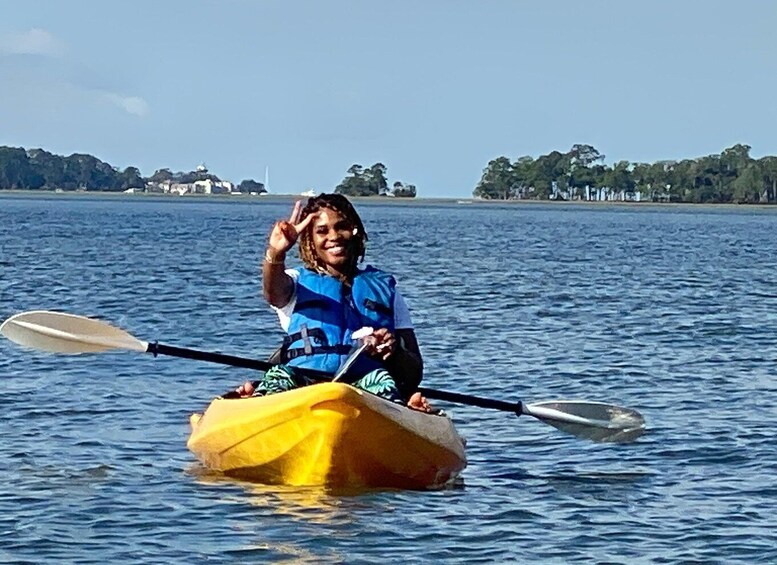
{"points": [[393, 201]]}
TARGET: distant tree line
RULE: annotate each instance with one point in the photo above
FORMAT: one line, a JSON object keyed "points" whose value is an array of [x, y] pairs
{"points": [[36, 169], [39, 169], [731, 176], [372, 181]]}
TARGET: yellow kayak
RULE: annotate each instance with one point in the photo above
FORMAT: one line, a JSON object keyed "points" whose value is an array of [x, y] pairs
{"points": [[328, 434]]}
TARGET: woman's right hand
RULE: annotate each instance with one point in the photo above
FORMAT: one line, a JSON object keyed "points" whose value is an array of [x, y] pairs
{"points": [[285, 233]]}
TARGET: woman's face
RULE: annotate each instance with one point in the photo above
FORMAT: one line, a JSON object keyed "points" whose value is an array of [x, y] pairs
{"points": [[332, 235]]}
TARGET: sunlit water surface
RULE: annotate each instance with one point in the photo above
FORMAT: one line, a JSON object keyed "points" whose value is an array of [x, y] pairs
{"points": [[672, 311]]}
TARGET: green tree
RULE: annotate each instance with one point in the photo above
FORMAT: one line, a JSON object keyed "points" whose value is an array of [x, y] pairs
{"points": [[660, 176], [680, 178], [748, 186], [161, 175], [400, 190], [250, 185], [48, 166], [735, 159], [16, 171], [371, 181], [708, 182], [548, 169], [731, 176], [584, 155], [359, 183], [130, 178], [497, 181], [640, 174], [375, 177], [619, 178], [768, 167], [523, 176]]}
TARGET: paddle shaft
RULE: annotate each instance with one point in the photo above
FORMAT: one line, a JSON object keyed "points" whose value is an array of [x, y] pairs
{"points": [[68, 333], [514, 407], [232, 360], [547, 415], [58, 332], [257, 365]]}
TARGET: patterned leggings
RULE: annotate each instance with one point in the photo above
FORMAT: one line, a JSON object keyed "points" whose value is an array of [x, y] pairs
{"points": [[281, 378]]}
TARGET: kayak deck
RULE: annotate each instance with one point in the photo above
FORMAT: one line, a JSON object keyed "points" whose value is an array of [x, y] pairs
{"points": [[327, 434]]}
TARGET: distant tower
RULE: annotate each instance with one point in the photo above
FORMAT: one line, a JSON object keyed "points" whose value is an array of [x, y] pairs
{"points": [[201, 168], [267, 178]]}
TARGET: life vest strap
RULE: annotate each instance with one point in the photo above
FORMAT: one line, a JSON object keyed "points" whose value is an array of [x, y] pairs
{"points": [[290, 354], [306, 339], [306, 335], [377, 307]]}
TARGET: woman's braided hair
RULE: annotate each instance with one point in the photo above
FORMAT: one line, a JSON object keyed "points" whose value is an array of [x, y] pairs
{"points": [[356, 245]]}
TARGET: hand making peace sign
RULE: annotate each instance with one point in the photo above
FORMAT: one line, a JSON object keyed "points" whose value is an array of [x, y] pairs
{"points": [[285, 233]]}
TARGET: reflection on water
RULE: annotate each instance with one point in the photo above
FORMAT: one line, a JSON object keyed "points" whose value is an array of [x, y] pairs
{"points": [[312, 504]]}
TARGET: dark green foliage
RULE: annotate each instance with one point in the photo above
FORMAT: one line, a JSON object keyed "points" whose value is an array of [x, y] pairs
{"points": [[371, 182], [732, 176], [16, 171], [162, 175], [250, 185], [39, 169]]}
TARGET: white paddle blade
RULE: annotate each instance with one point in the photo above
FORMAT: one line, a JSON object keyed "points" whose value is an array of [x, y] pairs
{"points": [[67, 333], [590, 420], [360, 337], [348, 363]]}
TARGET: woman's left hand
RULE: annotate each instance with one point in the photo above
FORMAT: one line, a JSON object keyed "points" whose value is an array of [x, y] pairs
{"points": [[382, 344], [245, 390]]}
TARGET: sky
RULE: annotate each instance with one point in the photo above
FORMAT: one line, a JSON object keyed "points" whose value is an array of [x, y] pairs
{"points": [[433, 89]]}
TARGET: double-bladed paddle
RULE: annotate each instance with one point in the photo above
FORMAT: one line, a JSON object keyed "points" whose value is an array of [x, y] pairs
{"points": [[58, 332]]}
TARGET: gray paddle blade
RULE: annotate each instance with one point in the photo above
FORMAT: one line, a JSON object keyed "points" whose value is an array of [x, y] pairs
{"points": [[596, 421], [349, 361], [66, 333]]}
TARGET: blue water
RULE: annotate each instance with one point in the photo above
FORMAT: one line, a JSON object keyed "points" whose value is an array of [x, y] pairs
{"points": [[669, 310]]}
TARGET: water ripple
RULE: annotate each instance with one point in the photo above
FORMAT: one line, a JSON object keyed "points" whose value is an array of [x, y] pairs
{"points": [[670, 310]]}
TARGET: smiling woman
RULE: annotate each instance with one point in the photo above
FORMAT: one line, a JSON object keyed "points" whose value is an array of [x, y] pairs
{"points": [[322, 305]]}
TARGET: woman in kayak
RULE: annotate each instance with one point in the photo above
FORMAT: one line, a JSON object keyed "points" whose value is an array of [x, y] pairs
{"points": [[321, 305]]}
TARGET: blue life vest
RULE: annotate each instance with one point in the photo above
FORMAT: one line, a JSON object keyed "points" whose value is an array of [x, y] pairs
{"points": [[326, 314]]}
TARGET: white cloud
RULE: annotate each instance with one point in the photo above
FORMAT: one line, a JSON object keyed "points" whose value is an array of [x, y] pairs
{"points": [[55, 72], [130, 104], [33, 42]]}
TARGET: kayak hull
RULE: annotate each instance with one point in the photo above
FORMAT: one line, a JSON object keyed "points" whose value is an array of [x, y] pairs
{"points": [[328, 434]]}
